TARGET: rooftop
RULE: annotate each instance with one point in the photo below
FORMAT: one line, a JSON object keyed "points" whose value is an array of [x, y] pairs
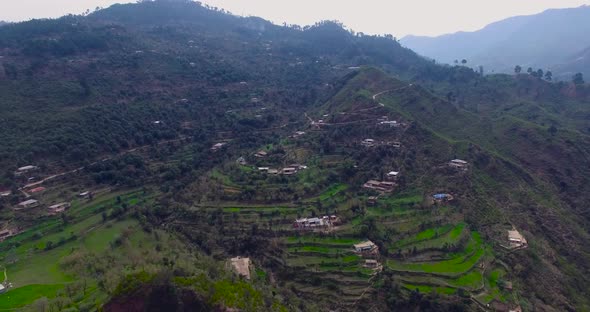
{"points": [[367, 244], [459, 161], [28, 202]]}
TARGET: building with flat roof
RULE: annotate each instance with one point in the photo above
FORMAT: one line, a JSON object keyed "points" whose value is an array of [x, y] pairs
{"points": [[28, 204], [366, 247], [241, 266], [516, 239]]}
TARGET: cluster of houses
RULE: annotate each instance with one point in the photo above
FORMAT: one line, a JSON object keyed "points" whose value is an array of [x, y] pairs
{"points": [[290, 170], [368, 249], [315, 223], [373, 143], [380, 186]]}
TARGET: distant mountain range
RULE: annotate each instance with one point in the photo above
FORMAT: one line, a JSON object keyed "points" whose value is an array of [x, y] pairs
{"points": [[556, 40]]}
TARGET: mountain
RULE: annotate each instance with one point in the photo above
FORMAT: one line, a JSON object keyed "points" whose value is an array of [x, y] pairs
{"points": [[547, 40], [164, 155]]}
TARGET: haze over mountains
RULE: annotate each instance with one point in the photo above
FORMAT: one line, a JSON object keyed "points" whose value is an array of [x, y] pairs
{"points": [[555, 40]]}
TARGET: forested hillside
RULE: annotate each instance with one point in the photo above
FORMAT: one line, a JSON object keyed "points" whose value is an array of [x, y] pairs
{"points": [[144, 145]]}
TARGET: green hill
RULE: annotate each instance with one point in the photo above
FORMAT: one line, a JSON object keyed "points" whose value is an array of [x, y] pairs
{"points": [[204, 136]]}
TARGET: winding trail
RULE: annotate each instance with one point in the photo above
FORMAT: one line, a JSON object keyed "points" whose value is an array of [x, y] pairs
{"points": [[49, 178], [392, 90]]}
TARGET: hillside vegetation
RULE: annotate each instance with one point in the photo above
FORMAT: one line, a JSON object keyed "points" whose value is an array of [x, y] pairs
{"points": [[183, 136]]}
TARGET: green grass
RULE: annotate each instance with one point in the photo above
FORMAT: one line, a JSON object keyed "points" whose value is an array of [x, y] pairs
{"points": [[461, 262], [332, 191], [433, 238], [20, 297]]}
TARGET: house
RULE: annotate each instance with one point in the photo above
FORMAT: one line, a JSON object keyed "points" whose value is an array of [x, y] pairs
{"points": [[59, 208], [458, 164], [86, 194], [22, 170], [217, 146], [2, 289], [241, 266], [366, 247], [297, 134], [381, 186], [368, 143], [5, 193], [289, 171], [27, 168], [442, 197], [391, 123], [335, 220], [4, 234], [28, 204], [516, 239], [392, 175], [298, 166], [273, 171], [309, 223], [396, 144], [261, 154], [263, 169], [241, 161], [372, 264], [37, 189]]}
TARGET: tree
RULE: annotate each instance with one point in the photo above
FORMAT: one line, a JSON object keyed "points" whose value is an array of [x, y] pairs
{"points": [[480, 70], [540, 73], [530, 70], [517, 69], [464, 61], [578, 79], [456, 61], [548, 75]]}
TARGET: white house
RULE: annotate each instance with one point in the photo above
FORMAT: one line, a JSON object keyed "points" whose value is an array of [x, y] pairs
{"points": [[28, 204]]}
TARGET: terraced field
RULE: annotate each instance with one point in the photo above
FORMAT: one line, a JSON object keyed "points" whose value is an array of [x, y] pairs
{"points": [[331, 260]]}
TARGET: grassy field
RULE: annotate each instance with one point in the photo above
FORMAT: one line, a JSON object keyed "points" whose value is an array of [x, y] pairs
{"points": [[460, 263], [35, 270], [26, 295]]}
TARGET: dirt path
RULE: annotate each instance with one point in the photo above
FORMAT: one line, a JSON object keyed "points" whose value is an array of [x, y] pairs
{"points": [[392, 90], [49, 178]]}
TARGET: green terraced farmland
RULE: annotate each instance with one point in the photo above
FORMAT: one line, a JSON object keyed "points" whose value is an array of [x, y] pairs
{"points": [[458, 264]]}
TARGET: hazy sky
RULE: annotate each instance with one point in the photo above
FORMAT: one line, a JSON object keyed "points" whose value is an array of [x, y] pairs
{"points": [[420, 17]]}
